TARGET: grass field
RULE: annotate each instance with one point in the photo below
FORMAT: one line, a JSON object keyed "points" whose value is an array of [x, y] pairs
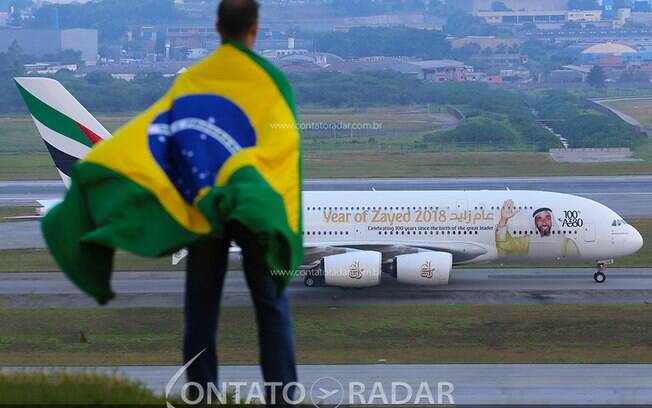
{"points": [[639, 109], [369, 334], [18, 211], [72, 388], [39, 260], [23, 155], [397, 164], [395, 151]]}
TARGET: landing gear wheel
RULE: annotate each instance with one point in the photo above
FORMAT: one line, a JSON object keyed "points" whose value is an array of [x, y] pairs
{"points": [[599, 277], [309, 281]]}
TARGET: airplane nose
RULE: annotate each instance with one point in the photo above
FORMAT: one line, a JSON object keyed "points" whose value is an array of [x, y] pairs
{"points": [[637, 240]]}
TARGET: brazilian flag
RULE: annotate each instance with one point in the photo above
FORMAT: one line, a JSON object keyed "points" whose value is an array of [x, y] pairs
{"points": [[222, 145]]}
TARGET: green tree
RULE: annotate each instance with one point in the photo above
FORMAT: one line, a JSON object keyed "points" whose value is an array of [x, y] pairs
{"points": [[65, 57], [462, 24], [15, 20], [529, 26], [596, 77], [499, 6], [357, 7], [99, 78], [11, 62], [467, 51], [618, 4], [387, 41], [571, 25], [475, 131], [110, 17]]}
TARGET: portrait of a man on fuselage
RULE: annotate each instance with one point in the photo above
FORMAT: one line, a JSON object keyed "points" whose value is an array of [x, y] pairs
{"points": [[542, 242]]}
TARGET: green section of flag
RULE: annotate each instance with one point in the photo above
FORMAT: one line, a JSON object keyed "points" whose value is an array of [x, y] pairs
{"points": [[104, 210], [250, 200], [285, 89], [53, 119]]}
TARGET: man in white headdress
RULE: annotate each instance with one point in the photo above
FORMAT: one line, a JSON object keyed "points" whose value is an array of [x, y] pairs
{"points": [[544, 243]]}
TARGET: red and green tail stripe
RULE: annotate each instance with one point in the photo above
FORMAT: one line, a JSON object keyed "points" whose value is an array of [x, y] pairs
{"points": [[62, 125]]}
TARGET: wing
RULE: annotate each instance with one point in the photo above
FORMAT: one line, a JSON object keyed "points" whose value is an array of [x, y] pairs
{"points": [[461, 251], [312, 253]]}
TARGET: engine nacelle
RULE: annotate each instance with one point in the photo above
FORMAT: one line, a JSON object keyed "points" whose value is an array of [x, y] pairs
{"points": [[424, 268], [356, 269]]}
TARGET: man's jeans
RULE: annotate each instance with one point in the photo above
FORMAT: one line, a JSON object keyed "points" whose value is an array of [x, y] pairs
{"points": [[206, 268]]}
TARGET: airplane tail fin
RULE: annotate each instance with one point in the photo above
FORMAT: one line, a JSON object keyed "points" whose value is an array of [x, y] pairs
{"points": [[67, 128]]}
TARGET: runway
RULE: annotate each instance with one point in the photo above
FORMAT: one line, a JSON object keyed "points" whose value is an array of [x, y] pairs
{"points": [[25, 193], [486, 384], [21, 235], [629, 196], [467, 286]]}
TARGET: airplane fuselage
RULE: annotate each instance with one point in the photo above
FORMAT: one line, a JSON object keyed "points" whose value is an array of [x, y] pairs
{"points": [[467, 223]]}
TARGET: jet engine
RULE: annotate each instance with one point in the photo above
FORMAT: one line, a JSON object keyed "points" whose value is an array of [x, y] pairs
{"points": [[356, 269], [423, 268]]}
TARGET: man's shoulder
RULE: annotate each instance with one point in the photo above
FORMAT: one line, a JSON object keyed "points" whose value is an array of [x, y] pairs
{"points": [[272, 70], [277, 76]]}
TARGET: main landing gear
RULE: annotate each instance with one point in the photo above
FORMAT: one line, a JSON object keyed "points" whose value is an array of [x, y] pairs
{"points": [[599, 276]]}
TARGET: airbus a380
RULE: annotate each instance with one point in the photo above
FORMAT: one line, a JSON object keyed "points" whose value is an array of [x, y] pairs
{"points": [[352, 238]]}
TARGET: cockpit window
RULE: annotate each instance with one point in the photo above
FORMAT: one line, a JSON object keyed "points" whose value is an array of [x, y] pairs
{"points": [[618, 223]]}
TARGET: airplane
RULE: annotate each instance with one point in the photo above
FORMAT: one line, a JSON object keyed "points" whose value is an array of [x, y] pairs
{"points": [[326, 394], [353, 238]]}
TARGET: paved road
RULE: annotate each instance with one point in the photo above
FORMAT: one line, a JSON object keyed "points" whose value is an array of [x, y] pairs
{"points": [[472, 383], [630, 196], [21, 234], [622, 115], [467, 286], [25, 193]]}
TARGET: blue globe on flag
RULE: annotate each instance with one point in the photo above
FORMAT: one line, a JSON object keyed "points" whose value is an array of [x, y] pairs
{"points": [[192, 141]]}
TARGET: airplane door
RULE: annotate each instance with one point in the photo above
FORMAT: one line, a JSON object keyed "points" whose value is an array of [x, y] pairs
{"points": [[589, 232]]}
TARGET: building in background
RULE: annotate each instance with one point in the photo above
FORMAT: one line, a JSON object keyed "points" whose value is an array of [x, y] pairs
{"points": [[522, 17], [474, 6], [608, 54], [45, 68], [484, 42], [443, 70], [5, 12], [641, 6], [584, 16], [39, 42], [549, 17], [41, 2], [174, 41]]}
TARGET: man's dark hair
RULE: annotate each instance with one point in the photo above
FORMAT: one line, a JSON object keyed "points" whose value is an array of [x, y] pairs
{"points": [[236, 17]]}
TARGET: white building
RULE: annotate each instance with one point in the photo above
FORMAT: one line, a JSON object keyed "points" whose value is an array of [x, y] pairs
{"points": [[585, 15]]}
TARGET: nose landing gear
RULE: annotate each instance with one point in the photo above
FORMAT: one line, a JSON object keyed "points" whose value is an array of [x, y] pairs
{"points": [[599, 276]]}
